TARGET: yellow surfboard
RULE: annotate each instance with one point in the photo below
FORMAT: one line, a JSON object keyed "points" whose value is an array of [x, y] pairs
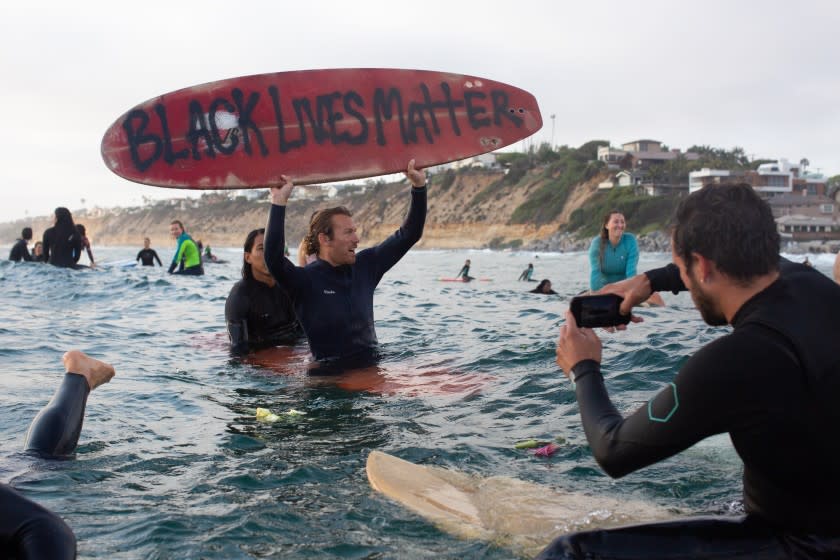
{"points": [[512, 513]]}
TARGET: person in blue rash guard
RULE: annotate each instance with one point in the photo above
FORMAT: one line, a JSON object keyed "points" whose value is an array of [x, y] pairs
{"points": [[614, 254], [333, 296], [772, 383], [28, 530]]}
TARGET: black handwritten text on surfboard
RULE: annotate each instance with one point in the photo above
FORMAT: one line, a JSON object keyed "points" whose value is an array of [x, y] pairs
{"points": [[228, 123]]}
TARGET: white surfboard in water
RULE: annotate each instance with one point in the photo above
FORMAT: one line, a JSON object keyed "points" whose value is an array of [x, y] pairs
{"points": [[512, 513]]}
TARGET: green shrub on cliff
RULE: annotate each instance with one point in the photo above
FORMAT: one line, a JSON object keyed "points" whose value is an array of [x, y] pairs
{"points": [[571, 167], [644, 214]]}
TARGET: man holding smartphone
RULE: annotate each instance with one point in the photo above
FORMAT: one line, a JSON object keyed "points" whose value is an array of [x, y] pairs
{"points": [[773, 384]]}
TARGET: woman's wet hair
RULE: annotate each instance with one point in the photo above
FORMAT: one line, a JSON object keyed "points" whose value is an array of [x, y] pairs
{"points": [[541, 286], [64, 226], [321, 222], [249, 246]]}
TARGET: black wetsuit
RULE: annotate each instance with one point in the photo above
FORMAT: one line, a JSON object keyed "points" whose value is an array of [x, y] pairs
{"points": [[259, 316], [19, 251], [335, 304], [148, 257], [61, 250], [28, 530], [773, 384]]}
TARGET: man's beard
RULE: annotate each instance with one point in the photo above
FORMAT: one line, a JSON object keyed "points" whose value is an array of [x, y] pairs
{"points": [[707, 308]]}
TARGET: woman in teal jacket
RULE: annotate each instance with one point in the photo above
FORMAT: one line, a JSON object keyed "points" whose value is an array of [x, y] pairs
{"points": [[614, 254]]}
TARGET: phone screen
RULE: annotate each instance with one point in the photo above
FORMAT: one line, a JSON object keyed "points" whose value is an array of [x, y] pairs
{"points": [[598, 311]]}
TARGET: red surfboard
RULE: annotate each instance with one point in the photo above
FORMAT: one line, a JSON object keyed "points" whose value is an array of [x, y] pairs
{"points": [[315, 126]]}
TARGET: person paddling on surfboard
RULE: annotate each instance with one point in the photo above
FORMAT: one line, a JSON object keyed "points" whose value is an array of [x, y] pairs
{"points": [[772, 384], [334, 295], [464, 274]]}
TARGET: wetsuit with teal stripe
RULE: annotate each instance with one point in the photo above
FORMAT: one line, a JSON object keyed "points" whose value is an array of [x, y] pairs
{"points": [[773, 385]]}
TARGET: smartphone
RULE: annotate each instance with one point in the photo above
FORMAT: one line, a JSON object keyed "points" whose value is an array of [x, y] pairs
{"points": [[598, 311]]}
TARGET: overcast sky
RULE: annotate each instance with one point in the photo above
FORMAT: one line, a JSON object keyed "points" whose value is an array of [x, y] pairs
{"points": [[762, 75]]}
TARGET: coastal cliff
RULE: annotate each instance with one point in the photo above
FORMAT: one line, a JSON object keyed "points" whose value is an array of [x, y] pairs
{"points": [[543, 200], [470, 209]]}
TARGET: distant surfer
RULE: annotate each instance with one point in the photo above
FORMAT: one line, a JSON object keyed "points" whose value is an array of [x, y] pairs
{"points": [[187, 258], [258, 312], [527, 274], [614, 255], [147, 256], [38, 252], [20, 251], [85, 244], [464, 274], [28, 530], [333, 296], [208, 254], [62, 242], [772, 383], [544, 287]]}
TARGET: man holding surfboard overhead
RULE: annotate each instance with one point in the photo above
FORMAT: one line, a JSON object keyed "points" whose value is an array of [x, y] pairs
{"points": [[773, 384], [334, 295]]}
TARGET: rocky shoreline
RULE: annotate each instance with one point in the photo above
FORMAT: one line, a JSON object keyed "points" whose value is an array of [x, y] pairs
{"points": [[660, 242]]}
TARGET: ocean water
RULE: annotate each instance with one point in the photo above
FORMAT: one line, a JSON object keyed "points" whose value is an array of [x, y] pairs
{"points": [[172, 462]]}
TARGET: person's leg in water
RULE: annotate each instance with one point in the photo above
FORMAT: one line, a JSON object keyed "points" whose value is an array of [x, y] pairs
{"points": [[28, 530], [55, 430]]}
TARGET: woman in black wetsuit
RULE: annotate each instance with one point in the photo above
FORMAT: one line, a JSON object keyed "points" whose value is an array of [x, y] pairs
{"points": [[544, 287], [62, 242], [28, 530], [258, 312]]}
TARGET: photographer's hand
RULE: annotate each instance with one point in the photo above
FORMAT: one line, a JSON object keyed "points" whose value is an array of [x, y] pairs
{"points": [[576, 344], [635, 290]]}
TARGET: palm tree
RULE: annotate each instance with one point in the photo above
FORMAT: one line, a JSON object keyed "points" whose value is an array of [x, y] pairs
{"points": [[804, 163]]}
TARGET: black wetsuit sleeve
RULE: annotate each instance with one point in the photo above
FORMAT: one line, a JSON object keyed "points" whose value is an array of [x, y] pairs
{"points": [[390, 251], [678, 416], [236, 317], [30, 531], [666, 279], [55, 430], [157, 258], [292, 278]]}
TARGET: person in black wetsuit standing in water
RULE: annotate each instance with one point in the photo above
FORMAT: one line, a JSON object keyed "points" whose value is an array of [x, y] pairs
{"points": [[28, 530], [773, 384], [333, 296], [258, 311], [147, 256], [62, 242], [19, 250]]}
